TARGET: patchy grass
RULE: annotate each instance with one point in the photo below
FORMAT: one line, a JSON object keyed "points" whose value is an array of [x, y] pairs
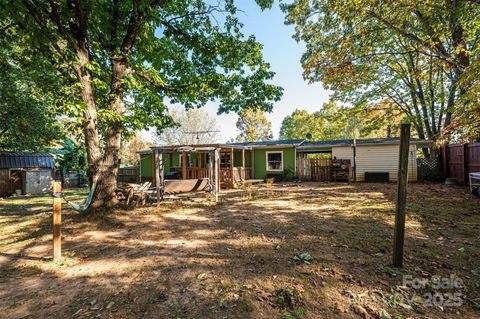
{"points": [[309, 251]]}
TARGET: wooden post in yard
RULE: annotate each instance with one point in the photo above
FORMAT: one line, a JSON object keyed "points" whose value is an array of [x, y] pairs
{"points": [[57, 220], [399, 234]]}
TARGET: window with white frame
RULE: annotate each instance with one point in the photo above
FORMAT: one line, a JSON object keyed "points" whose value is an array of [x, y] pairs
{"points": [[274, 161]]}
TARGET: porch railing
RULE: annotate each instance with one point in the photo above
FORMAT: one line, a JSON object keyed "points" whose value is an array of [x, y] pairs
{"points": [[239, 173], [194, 172]]}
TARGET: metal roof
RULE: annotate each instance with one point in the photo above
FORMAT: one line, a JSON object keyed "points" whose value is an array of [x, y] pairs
{"points": [[299, 143], [187, 149], [292, 142], [26, 160], [365, 141]]}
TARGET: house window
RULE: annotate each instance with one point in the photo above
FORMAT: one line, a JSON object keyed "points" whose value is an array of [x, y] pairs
{"points": [[274, 161]]}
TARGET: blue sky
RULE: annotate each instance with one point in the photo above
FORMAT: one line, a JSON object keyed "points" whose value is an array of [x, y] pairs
{"points": [[283, 53]]}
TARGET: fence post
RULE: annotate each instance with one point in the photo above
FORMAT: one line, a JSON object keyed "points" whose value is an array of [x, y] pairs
{"points": [[465, 164], [57, 220], [399, 234]]}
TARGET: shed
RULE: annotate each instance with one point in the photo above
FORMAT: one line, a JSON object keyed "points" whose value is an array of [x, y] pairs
{"points": [[31, 173], [375, 155]]}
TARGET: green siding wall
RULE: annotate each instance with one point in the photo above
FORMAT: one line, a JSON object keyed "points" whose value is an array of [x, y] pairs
{"points": [[261, 165], [259, 161], [237, 158], [147, 168], [147, 165]]}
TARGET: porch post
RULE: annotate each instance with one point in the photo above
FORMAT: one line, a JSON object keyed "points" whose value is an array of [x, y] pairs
{"points": [[216, 188], [242, 169], [184, 165], [199, 164], [231, 168], [158, 163], [251, 164], [154, 159], [218, 175], [211, 156]]}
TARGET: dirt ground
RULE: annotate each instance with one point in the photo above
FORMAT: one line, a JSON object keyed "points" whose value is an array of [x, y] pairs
{"points": [[292, 251]]}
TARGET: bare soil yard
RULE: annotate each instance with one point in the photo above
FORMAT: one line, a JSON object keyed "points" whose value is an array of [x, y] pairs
{"points": [[236, 259]]}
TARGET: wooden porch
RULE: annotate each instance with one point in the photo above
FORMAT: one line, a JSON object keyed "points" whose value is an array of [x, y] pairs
{"points": [[232, 166]]}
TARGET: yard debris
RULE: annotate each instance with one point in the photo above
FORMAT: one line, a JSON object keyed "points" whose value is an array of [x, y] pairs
{"points": [[303, 257], [201, 276], [383, 314], [359, 310], [76, 313]]}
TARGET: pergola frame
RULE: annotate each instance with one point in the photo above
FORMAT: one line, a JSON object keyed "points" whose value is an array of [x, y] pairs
{"points": [[213, 166]]}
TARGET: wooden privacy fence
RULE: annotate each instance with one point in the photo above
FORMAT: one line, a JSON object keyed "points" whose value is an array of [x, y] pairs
{"points": [[314, 169], [128, 175], [458, 160]]}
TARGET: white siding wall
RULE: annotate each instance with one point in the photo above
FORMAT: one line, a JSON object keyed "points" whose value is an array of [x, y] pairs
{"points": [[378, 158]]}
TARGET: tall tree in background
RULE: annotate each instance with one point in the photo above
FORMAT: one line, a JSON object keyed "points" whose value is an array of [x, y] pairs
{"points": [[194, 126], [301, 123], [253, 126], [327, 123], [412, 53], [469, 126], [335, 122], [112, 64], [129, 149]]}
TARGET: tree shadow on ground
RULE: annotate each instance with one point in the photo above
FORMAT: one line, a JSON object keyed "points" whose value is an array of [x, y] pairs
{"points": [[233, 259]]}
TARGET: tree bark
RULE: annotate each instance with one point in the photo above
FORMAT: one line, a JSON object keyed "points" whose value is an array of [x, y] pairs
{"points": [[104, 195], [90, 114]]}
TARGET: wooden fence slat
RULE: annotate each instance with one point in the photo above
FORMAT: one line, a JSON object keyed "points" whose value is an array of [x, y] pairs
{"points": [[314, 169], [461, 159]]}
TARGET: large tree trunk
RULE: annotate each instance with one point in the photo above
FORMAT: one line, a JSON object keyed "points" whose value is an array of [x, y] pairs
{"points": [[104, 195], [90, 114]]}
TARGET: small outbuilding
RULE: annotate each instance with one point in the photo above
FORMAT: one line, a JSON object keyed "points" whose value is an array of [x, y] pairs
{"points": [[25, 173], [376, 159]]}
